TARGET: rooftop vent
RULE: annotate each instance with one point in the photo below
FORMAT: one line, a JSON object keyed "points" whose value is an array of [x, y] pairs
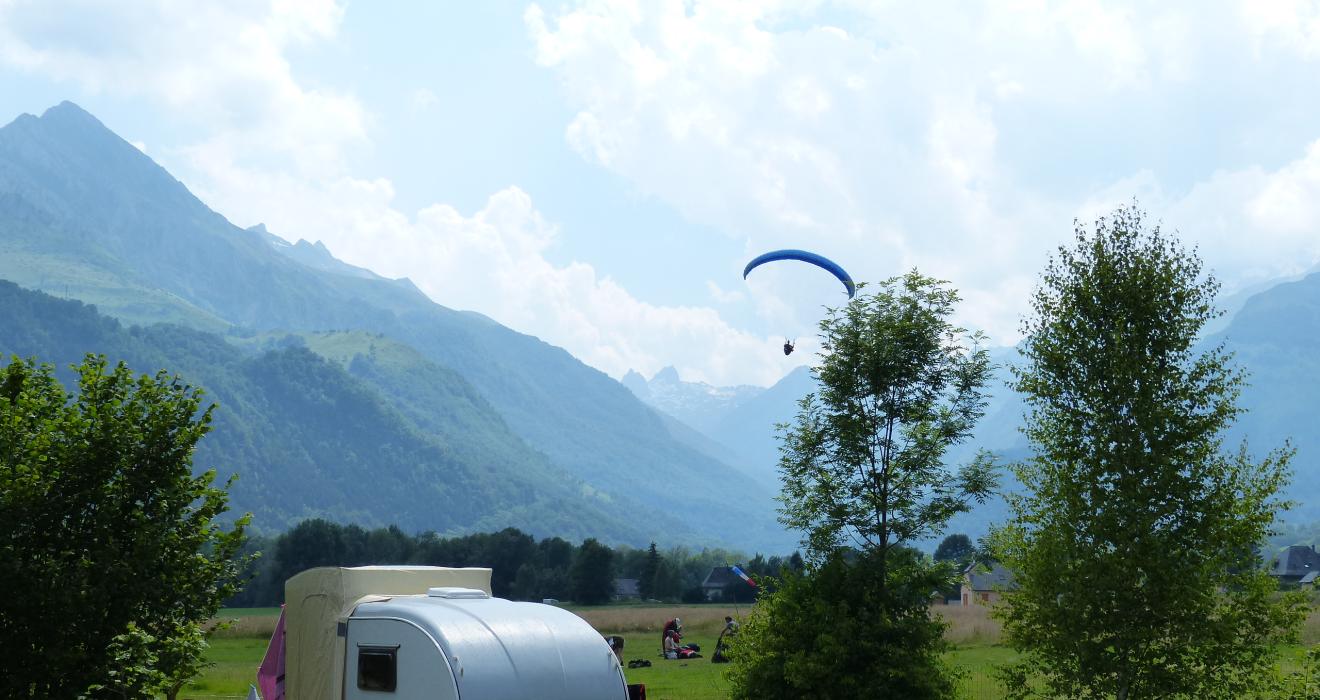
{"points": [[456, 593]]}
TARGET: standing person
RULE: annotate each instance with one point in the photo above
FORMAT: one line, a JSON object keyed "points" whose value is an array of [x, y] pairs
{"points": [[730, 630]]}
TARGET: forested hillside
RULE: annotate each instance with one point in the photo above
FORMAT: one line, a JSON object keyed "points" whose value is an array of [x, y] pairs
{"points": [[1275, 336], [309, 439]]}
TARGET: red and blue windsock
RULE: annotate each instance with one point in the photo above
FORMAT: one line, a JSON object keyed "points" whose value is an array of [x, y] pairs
{"points": [[743, 575]]}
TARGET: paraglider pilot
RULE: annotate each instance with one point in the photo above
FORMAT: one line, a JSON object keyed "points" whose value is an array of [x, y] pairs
{"points": [[788, 347]]}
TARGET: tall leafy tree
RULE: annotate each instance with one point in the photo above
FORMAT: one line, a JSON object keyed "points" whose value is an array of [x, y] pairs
{"points": [[646, 585], [863, 463], [956, 548], [796, 562], [863, 469], [1133, 539], [668, 581], [958, 551], [592, 574], [111, 552]]}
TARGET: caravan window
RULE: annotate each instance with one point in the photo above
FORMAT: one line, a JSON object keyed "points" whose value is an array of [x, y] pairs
{"points": [[378, 668]]}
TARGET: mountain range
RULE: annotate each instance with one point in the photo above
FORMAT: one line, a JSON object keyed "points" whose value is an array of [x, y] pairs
{"points": [[350, 396], [342, 394], [697, 404]]}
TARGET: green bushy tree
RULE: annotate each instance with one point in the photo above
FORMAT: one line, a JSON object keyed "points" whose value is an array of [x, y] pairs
{"points": [[863, 468], [592, 573], [836, 632], [1133, 541], [668, 581], [959, 551], [112, 555], [646, 584], [956, 548]]}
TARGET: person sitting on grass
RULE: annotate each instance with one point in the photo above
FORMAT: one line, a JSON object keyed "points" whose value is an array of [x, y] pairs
{"points": [[671, 645], [673, 650]]}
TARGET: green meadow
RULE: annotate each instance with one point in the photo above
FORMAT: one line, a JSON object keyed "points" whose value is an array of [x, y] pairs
{"points": [[237, 650]]}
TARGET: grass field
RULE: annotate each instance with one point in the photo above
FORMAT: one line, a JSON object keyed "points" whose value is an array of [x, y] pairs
{"points": [[237, 651]]}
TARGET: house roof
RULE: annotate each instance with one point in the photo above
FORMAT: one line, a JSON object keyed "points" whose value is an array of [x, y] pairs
{"points": [[1296, 560], [719, 577], [625, 587], [996, 577]]}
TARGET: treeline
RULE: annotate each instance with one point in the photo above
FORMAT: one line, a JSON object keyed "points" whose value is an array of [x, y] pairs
{"points": [[523, 568]]}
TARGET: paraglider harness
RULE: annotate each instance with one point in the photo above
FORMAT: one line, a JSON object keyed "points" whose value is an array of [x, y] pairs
{"points": [[788, 346]]}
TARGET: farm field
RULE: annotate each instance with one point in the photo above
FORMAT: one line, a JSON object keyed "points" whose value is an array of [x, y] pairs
{"points": [[237, 650]]}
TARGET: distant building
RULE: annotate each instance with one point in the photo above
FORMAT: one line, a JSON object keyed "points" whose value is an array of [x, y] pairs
{"points": [[716, 581], [627, 589], [1295, 563], [983, 585]]}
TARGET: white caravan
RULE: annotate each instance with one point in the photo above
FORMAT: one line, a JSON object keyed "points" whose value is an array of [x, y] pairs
{"points": [[433, 633]]}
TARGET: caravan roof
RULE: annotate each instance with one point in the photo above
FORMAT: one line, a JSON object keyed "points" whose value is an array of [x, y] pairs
{"points": [[501, 648]]}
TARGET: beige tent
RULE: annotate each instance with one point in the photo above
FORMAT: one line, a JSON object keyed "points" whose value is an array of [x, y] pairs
{"points": [[318, 601]]}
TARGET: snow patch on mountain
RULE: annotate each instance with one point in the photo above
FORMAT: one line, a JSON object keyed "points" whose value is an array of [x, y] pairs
{"points": [[698, 404]]}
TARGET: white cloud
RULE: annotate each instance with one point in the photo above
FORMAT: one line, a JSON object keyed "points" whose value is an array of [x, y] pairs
{"points": [[1266, 222], [722, 295], [1250, 224], [423, 99], [1292, 25], [221, 66], [911, 138]]}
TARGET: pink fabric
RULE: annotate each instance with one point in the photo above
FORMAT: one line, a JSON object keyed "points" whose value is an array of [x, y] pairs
{"points": [[270, 675]]}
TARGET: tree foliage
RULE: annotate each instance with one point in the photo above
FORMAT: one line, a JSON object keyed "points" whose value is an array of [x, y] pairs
{"points": [[592, 574], [1133, 540], [956, 548], [863, 465], [112, 557], [646, 583], [525, 568], [835, 633]]}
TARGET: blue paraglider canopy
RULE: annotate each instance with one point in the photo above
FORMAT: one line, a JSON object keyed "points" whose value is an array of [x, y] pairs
{"points": [[807, 257]]}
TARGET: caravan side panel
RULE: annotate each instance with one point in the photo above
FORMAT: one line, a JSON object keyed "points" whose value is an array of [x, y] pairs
{"points": [[390, 659]]}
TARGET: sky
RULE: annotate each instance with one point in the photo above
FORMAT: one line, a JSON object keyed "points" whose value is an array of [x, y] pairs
{"points": [[597, 173]]}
